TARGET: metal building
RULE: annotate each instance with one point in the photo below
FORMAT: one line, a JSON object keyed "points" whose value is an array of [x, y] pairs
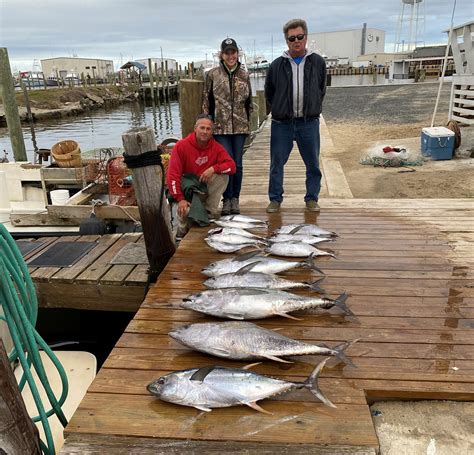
{"points": [[68, 66], [348, 43]]}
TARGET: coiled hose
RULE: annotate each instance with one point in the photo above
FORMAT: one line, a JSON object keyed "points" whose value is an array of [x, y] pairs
{"points": [[20, 307]]}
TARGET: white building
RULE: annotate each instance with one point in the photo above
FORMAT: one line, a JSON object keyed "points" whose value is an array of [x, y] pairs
{"points": [[348, 43], [65, 66]]}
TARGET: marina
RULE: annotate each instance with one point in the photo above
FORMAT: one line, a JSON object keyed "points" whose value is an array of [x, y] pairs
{"points": [[290, 345]]}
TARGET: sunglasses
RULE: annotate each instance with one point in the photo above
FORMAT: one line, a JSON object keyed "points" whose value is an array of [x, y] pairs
{"points": [[293, 38]]}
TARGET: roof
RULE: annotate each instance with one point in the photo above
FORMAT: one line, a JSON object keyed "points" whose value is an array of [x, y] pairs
{"points": [[138, 65]]}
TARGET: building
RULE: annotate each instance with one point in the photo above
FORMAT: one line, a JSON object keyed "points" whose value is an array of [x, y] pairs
{"points": [[348, 44], [75, 66]]}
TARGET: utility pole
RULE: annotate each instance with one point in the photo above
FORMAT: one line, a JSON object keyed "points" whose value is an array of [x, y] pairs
{"points": [[7, 93]]}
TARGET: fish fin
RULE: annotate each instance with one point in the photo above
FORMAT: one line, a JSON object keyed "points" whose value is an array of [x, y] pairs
{"points": [[340, 302], [314, 285], [312, 384], [275, 358], [295, 230], [341, 355], [309, 262], [246, 268], [288, 316], [251, 365], [245, 256], [258, 408], [202, 408], [215, 230], [236, 316], [201, 374], [223, 352]]}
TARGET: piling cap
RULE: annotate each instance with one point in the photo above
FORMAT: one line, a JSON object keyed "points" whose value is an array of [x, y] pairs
{"points": [[227, 44]]}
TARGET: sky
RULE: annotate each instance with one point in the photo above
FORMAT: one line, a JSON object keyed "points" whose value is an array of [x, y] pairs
{"points": [[191, 30]]}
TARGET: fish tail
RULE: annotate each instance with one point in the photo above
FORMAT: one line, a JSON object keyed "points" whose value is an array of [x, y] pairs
{"points": [[340, 302], [312, 384], [309, 262], [314, 285], [341, 355]]}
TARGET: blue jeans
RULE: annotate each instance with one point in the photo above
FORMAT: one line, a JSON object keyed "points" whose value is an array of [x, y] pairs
{"points": [[234, 144], [306, 134]]}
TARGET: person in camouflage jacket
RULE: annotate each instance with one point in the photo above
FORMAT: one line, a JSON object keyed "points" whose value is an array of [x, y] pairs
{"points": [[227, 98]]}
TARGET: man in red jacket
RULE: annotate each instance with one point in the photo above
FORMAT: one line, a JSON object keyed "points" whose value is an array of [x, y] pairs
{"points": [[201, 155]]}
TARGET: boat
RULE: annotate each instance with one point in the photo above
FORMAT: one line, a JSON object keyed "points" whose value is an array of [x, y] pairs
{"points": [[257, 63]]}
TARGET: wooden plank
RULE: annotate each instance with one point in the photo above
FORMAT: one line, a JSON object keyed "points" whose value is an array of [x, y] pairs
{"points": [[53, 294], [106, 212], [120, 445], [70, 273], [102, 265], [138, 275], [316, 421]]}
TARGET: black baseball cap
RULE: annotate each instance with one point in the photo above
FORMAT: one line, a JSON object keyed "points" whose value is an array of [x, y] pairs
{"points": [[227, 44]]}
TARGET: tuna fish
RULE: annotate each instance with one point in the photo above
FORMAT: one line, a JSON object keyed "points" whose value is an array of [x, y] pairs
{"points": [[296, 249], [264, 264], [236, 239], [238, 231], [254, 303], [243, 219], [237, 340], [219, 387], [311, 229], [227, 247], [246, 278], [305, 238], [239, 224]]}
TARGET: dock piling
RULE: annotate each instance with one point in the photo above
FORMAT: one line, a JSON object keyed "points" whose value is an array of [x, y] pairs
{"points": [[155, 216], [190, 103], [7, 93]]}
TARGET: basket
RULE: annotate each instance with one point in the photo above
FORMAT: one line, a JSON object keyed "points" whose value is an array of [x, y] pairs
{"points": [[67, 154]]}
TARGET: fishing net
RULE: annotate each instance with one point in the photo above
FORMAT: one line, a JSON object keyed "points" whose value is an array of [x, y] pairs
{"points": [[388, 156]]}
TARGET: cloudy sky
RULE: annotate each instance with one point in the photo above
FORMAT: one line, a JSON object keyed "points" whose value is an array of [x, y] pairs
{"points": [[189, 29]]}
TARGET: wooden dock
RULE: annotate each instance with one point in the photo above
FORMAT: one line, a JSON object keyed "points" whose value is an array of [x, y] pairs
{"points": [[92, 283], [406, 267]]}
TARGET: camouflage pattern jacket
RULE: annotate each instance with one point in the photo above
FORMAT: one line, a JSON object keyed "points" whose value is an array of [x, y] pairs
{"points": [[227, 99]]}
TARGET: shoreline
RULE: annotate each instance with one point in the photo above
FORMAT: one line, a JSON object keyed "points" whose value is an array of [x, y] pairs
{"points": [[65, 102]]}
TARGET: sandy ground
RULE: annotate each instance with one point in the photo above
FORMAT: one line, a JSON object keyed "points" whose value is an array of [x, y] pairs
{"points": [[424, 427], [361, 118]]}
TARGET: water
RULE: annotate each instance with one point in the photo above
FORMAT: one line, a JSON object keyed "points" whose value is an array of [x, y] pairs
{"points": [[101, 128]]}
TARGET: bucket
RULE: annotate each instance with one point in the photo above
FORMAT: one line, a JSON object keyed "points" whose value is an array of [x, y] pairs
{"points": [[59, 197], [67, 154]]}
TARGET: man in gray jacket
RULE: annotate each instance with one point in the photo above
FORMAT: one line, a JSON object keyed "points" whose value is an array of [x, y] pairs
{"points": [[295, 87]]}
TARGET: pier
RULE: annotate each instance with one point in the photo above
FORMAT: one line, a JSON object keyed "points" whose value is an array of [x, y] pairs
{"points": [[406, 265]]}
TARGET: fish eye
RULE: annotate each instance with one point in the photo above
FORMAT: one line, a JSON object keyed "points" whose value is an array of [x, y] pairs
{"points": [[161, 381]]}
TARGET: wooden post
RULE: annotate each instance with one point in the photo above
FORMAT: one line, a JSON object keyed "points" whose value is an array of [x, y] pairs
{"points": [[190, 103], [29, 115], [162, 79], [176, 73], [7, 93], [152, 83], [147, 182], [254, 115], [18, 434], [167, 81], [45, 82], [157, 83], [262, 106]]}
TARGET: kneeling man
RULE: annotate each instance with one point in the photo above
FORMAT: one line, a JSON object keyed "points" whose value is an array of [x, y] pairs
{"points": [[198, 165]]}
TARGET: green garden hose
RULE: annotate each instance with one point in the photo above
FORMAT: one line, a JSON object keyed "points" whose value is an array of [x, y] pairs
{"points": [[20, 307]]}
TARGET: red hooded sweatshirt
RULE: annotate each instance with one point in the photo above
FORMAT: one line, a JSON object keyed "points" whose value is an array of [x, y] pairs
{"points": [[189, 158]]}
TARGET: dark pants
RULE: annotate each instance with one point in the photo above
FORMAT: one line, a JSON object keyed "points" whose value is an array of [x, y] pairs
{"points": [[306, 135], [234, 144]]}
